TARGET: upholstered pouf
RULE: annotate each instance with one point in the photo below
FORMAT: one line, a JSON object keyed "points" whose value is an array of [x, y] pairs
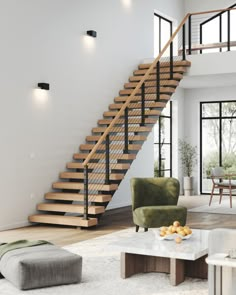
{"points": [[41, 266]]}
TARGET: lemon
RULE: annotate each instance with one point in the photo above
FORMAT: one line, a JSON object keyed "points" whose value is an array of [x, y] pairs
{"points": [[178, 240], [176, 223]]}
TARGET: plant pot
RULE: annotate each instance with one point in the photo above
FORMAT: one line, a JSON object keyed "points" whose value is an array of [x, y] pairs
{"points": [[188, 186]]}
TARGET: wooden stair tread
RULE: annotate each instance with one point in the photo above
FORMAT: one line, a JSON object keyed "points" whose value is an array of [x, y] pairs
{"points": [[79, 175], [118, 129], [79, 186], [162, 71], [113, 166], [118, 106], [118, 137], [70, 208], [117, 156], [63, 220], [102, 147], [148, 90], [77, 197], [131, 120], [182, 63], [134, 113], [148, 97], [152, 84], [176, 76]]}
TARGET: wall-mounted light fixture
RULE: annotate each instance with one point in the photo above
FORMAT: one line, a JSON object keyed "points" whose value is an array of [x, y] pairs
{"points": [[44, 86], [127, 4], [92, 33]]}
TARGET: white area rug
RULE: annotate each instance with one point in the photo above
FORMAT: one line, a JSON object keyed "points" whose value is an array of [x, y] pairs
{"points": [[101, 275], [216, 208]]}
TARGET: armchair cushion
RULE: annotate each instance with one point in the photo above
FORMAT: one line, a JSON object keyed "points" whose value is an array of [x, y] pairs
{"points": [[156, 216]]}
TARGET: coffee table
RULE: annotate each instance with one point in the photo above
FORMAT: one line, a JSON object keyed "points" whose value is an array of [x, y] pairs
{"points": [[143, 252]]}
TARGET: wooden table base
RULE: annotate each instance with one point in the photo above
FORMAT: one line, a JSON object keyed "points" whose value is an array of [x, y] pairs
{"points": [[177, 268]]}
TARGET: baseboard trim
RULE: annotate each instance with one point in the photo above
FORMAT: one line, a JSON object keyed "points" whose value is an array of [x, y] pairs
{"points": [[14, 225], [117, 206]]}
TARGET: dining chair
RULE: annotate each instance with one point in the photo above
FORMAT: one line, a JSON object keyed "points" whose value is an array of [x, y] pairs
{"points": [[222, 181]]}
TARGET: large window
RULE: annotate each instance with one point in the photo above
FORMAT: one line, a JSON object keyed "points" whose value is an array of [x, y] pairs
{"points": [[219, 28], [162, 33], [163, 143], [218, 139]]}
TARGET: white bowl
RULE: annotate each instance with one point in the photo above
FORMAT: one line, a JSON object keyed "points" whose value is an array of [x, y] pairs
{"points": [[172, 236]]}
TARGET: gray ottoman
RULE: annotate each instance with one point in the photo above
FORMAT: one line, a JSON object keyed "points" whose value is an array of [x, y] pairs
{"points": [[41, 266]]}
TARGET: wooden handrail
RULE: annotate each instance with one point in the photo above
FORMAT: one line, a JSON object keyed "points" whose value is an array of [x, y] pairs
{"points": [[212, 11], [134, 92]]}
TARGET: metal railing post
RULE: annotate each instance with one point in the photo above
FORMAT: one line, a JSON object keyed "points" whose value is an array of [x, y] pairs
{"points": [[86, 192], [200, 37], [126, 127], [183, 40], [190, 35], [143, 106], [228, 31], [220, 30], [158, 80], [171, 60], [107, 178]]}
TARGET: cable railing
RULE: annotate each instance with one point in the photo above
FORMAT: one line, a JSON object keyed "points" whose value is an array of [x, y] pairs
{"points": [[126, 124], [212, 31]]}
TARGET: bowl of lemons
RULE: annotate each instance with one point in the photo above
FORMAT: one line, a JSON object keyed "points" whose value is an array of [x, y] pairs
{"points": [[174, 232]]}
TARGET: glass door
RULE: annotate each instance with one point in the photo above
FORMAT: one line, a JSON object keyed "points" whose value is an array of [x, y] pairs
{"points": [[218, 140]]}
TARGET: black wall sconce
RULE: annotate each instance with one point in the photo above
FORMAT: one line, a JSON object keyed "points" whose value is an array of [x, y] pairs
{"points": [[92, 33], [44, 86]]}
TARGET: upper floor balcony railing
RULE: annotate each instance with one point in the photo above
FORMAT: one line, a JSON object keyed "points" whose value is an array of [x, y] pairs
{"points": [[211, 31]]}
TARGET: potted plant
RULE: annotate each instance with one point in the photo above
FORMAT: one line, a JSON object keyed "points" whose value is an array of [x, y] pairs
{"points": [[188, 154]]}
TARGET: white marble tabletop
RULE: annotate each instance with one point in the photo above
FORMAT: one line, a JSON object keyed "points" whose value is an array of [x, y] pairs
{"points": [[221, 259], [147, 243]]}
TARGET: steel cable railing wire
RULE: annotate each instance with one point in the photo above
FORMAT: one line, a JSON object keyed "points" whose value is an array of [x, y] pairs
{"points": [[211, 31], [116, 127], [120, 132]]}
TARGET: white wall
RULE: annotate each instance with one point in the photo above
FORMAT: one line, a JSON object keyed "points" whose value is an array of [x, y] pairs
{"points": [[212, 64], [198, 6], [44, 41], [178, 122], [192, 100]]}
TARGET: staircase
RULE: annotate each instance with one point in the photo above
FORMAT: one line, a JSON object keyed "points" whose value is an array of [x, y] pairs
{"points": [[89, 183], [80, 198]]}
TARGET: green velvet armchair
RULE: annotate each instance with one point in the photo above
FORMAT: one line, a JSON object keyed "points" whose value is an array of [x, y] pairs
{"points": [[154, 202]]}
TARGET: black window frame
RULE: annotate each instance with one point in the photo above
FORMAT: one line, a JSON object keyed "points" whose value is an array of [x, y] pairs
{"points": [[220, 117], [160, 143]]}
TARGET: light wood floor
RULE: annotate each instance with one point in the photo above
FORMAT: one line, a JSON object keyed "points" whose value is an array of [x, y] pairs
{"points": [[114, 220]]}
